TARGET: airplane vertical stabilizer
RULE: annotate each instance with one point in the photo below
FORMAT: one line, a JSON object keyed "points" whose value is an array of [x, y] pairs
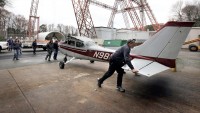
{"points": [[167, 42]]}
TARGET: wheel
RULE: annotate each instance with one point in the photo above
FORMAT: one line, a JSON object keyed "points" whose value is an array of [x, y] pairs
{"points": [[193, 48], [91, 61], [44, 48], [65, 59], [61, 65], [0, 48]]}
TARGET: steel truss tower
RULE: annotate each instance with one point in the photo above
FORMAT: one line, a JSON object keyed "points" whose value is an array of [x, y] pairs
{"points": [[32, 19], [133, 10], [83, 18]]}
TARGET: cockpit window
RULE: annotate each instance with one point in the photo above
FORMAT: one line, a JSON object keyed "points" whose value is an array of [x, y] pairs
{"points": [[71, 43], [79, 44]]}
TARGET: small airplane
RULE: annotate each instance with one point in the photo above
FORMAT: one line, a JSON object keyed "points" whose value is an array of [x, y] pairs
{"points": [[155, 55]]}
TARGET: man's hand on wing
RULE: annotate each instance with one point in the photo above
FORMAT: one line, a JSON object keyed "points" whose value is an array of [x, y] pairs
{"points": [[134, 70]]}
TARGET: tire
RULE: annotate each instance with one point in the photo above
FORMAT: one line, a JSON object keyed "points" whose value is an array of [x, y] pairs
{"points": [[61, 65], [193, 48], [92, 61], [44, 48], [0, 48]]}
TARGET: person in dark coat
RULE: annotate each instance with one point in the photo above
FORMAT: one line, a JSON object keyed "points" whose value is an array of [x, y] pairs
{"points": [[16, 47], [49, 50], [10, 44], [55, 46], [117, 60], [20, 47], [34, 46]]}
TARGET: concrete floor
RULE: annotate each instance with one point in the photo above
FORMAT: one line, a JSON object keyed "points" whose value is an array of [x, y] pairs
{"points": [[44, 88]]}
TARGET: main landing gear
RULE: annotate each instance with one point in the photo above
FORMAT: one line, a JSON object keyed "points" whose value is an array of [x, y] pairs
{"points": [[62, 63], [92, 61]]}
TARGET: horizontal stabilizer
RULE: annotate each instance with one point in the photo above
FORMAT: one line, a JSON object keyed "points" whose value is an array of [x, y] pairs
{"points": [[146, 67]]}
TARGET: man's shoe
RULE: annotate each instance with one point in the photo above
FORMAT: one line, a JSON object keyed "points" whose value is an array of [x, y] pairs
{"points": [[124, 72], [119, 88], [98, 82]]}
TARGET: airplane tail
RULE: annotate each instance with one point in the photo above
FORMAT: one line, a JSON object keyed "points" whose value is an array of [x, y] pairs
{"points": [[165, 45]]}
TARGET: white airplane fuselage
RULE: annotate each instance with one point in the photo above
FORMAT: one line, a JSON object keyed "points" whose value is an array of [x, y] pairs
{"points": [[93, 52]]}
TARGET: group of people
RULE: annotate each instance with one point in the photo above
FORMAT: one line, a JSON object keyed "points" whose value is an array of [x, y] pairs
{"points": [[16, 46], [51, 47]]}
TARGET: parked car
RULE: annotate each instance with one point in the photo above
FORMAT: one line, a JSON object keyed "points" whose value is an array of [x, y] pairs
{"points": [[3, 45]]}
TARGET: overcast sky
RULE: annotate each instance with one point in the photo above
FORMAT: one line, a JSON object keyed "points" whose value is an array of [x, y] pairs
{"points": [[61, 11]]}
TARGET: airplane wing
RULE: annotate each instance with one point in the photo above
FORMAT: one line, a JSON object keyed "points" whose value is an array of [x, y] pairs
{"points": [[146, 67]]}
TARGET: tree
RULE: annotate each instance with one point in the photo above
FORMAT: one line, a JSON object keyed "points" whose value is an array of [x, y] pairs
{"points": [[149, 27], [190, 12], [76, 33], [177, 10], [43, 28], [3, 21], [20, 23], [197, 24], [51, 27], [4, 2], [67, 30], [60, 27], [10, 30]]}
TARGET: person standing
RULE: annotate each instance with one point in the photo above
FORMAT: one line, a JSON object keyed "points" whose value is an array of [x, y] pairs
{"points": [[10, 44], [20, 47], [16, 47], [55, 46], [49, 49], [117, 60], [34, 46]]}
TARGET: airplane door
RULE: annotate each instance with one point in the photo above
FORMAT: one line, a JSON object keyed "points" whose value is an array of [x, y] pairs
{"points": [[81, 50]]}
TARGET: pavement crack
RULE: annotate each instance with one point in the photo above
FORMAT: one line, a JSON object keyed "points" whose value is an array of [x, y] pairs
{"points": [[22, 92]]}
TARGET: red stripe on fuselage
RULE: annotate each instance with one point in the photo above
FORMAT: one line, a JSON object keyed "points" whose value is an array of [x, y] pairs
{"points": [[101, 55]]}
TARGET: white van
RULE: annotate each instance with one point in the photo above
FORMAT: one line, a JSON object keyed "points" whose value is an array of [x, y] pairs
{"points": [[3, 45]]}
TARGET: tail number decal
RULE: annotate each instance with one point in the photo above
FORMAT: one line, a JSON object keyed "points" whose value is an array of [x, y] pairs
{"points": [[101, 55]]}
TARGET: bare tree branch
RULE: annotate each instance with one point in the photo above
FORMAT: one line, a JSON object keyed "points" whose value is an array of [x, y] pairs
{"points": [[177, 10]]}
